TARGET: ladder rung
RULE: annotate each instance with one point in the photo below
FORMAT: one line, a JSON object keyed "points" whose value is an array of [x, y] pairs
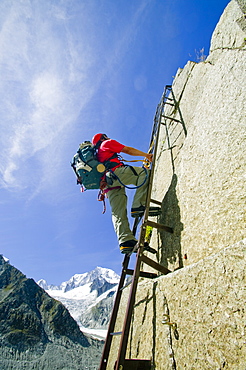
{"points": [[126, 285], [149, 275], [132, 364], [116, 333], [172, 119], [129, 272], [159, 226], [155, 265], [155, 202]]}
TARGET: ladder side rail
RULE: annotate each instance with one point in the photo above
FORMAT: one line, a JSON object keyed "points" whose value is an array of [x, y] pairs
{"points": [[156, 119], [136, 274], [158, 125], [109, 337], [128, 315]]}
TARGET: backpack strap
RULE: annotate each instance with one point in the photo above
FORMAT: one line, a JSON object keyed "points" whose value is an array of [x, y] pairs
{"points": [[109, 164], [78, 178]]}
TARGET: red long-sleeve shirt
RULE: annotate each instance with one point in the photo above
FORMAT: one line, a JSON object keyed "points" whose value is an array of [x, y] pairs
{"points": [[107, 149]]}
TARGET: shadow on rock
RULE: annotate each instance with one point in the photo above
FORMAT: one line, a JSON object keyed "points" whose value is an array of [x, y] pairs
{"points": [[169, 247]]}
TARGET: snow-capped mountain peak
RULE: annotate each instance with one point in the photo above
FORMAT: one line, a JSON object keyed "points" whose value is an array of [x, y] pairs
{"points": [[84, 291], [43, 284], [5, 258], [98, 276]]}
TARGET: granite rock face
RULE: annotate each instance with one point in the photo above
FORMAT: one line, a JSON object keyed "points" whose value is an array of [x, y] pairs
{"points": [[194, 318], [202, 182], [36, 331], [233, 35]]}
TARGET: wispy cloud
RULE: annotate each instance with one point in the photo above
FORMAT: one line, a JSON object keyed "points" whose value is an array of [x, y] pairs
{"points": [[41, 72], [50, 70]]}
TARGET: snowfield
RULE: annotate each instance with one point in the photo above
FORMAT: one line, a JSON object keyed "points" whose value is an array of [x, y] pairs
{"points": [[82, 292]]}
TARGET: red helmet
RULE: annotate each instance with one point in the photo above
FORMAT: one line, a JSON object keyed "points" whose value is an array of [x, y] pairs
{"points": [[98, 137]]}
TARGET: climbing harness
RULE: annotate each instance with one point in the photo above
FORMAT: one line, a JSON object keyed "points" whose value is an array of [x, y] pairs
{"points": [[102, 194]]}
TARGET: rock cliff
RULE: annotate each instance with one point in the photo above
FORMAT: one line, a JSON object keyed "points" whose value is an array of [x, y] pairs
{"points": [[194, 318]]}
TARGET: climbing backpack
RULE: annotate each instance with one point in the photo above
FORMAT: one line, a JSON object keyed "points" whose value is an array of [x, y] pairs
{"points": [[89, 171]]}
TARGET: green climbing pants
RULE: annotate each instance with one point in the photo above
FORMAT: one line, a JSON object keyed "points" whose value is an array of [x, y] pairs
{"points": [[118, 199]]}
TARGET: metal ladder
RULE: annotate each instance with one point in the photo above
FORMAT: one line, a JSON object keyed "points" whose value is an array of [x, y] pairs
{"points": [[134, 364]]}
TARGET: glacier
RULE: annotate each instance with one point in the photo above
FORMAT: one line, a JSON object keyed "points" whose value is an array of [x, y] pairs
{"points": [[85, 293]]}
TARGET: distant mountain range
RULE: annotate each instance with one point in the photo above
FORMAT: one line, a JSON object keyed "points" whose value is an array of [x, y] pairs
{"points": [[37, 331], [88, 297]]}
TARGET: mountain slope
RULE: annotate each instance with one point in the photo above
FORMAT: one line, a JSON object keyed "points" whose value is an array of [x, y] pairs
{"points": [[98, 315], [37, 331]]}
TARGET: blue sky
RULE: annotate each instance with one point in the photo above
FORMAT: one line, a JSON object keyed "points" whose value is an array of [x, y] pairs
{"points": [[70, 69]]}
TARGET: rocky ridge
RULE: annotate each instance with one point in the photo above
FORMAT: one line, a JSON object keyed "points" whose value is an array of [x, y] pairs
{"points": [[37, 331]]}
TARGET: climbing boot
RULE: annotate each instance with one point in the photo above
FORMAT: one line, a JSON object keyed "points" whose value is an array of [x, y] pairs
{"points": [[128, 246]]}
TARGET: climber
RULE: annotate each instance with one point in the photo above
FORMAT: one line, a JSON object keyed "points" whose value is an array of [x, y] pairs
{"points": [[120, 174]]}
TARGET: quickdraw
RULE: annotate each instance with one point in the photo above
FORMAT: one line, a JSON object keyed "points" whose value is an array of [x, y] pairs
{"points": [[146, 162]]}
